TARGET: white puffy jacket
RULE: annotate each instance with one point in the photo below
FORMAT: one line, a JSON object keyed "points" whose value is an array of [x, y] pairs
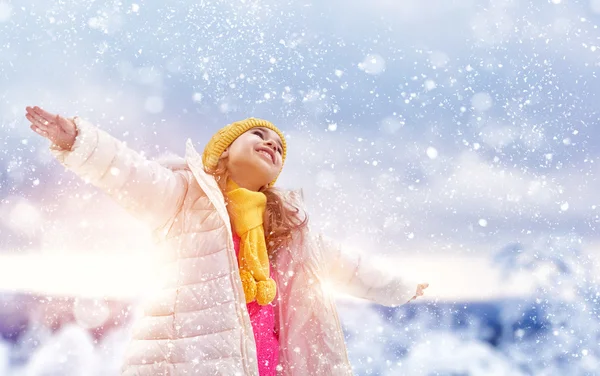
{"points": [[198, 323]]}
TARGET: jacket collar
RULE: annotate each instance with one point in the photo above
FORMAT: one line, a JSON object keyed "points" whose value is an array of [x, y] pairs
{"points": [[207, 182]]}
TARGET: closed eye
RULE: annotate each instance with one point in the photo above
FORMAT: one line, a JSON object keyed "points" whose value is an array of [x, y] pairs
{"points": [[260, 134]]}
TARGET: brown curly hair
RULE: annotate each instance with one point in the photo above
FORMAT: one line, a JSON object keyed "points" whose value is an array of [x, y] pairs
{"points": [[281, 218]]}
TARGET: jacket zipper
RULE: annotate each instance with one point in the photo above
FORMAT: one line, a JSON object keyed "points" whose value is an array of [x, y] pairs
{"points": [[240, 315], [201, 182]]}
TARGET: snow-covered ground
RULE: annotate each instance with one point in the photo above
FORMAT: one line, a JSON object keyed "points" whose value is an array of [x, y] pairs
{"points": [[428, 339]]}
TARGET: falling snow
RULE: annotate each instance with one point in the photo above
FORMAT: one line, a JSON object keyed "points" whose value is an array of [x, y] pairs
{"points": [[428, 132]]}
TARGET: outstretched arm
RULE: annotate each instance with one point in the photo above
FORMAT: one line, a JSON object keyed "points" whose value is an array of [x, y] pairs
{"points": [[359, 277], [146, 189]]}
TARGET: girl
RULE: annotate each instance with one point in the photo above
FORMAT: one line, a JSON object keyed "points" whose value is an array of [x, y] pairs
{"points": [[244, 289]]}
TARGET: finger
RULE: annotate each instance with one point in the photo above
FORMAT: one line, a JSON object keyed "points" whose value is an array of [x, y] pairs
{"points": [[31, 113], [38, 131], [42, 116], [45, 114], [38, 118], [31, 110], [37, 122]]}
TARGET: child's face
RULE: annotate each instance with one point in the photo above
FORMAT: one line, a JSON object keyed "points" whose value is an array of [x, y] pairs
{"points": [[255, 158]]}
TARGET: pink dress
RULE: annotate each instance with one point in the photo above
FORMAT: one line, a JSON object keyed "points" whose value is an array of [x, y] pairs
{"points": [[263, 326]]}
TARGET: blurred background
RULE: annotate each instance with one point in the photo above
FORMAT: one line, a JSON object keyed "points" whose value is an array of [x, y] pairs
{"points": [[455, 139]]}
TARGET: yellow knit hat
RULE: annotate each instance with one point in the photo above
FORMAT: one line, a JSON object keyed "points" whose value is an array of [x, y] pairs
{"points": [[226, 135]]}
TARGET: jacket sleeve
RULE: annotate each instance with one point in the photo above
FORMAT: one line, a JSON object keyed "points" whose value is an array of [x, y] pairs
{"points": [[149, 191], [362, 277]]}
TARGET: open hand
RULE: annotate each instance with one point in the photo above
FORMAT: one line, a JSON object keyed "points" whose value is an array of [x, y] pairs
{"points": [[59, 130], [420, 290]]}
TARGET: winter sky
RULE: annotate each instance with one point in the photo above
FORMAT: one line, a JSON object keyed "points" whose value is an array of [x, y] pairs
{"points": [[433, 132]]}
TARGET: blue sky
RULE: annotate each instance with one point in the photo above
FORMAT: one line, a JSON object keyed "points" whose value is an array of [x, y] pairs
{"points": [[417, 129]]}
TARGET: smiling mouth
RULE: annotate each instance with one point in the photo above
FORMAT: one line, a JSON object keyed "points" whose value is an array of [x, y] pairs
{"points": [[267, 155]]}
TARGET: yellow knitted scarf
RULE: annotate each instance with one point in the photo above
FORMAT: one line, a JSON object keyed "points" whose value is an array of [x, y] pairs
{"points": [[246, 209]]}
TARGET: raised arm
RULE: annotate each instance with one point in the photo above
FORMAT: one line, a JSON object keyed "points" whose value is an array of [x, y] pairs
{"points": [[147, 190], [358, 276]]}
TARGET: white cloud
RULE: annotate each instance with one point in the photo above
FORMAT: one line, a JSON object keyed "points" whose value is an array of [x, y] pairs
{"points": [[20, 215], [373, 64], [474, 182], [499, 136], [482, 102], [5, 11]]}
